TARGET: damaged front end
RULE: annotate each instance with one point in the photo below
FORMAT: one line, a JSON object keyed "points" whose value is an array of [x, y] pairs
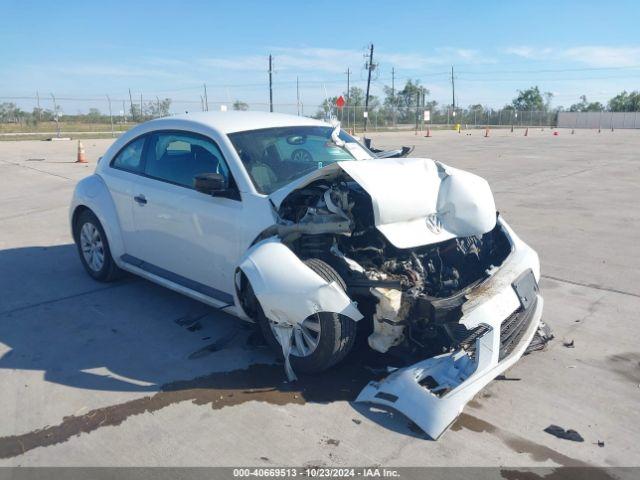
{"points": [[427, 261], [496, 322]]}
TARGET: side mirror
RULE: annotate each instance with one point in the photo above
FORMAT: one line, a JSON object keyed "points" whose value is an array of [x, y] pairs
{"points": [[210, 183]]}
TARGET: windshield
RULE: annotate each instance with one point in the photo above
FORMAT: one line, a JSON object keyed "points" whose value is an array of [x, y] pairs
{"points": [[273, 157]]}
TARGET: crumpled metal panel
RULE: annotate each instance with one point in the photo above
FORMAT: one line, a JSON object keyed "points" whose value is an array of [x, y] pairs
{"points": [[288, 290]]}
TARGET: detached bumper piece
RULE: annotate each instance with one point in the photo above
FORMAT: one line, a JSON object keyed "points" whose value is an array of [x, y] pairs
{"points": [[397, 153], [433, 392]]}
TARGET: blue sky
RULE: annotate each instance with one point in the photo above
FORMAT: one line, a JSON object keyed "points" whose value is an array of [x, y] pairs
{"points": [[86, 50]]}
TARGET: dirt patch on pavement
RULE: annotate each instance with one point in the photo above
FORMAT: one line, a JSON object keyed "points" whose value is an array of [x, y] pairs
{"points": [[264, 383], [537, 452]]}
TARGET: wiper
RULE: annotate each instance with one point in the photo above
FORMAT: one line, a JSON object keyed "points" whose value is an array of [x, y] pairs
{"points": [[335, 136], [354, 149]]}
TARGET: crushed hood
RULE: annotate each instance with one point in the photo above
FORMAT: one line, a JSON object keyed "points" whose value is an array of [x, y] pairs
{"points": [[416, 201]]}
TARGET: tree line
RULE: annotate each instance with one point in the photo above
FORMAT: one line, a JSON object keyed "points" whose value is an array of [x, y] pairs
{"points": [[11, 113], [406, 105], [402, 105]]}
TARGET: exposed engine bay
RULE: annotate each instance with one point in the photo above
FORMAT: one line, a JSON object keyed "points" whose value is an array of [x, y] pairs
{"points": [[427, 270], [414, 295]]}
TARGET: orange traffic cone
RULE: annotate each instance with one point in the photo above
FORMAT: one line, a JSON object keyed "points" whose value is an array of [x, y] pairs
{"points": [[526, 132], [81, 156]]}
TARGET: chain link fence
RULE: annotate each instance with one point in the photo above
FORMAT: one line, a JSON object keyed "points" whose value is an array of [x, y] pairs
{"points": [[108, 116]]}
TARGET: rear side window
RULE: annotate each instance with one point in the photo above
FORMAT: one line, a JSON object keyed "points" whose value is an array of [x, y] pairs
{"points": [[130, 157], [178, 157]]}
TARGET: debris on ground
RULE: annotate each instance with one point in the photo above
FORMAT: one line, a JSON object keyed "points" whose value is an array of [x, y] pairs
{"points": [[356, 421], [560, 432], [568, 344], [543, 336], [600, 443]]}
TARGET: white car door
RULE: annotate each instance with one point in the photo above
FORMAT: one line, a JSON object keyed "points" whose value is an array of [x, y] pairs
{"points": [[185, 236], [123, 171]]}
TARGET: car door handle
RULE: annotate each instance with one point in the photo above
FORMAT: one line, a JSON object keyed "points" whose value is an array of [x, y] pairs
{"points": [[140, 199]]}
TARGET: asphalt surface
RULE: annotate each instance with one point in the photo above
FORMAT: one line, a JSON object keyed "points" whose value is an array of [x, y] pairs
{"points": [[133, 374]]}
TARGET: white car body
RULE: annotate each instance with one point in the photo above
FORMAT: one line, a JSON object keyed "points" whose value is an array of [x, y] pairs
{"points": [[198, 244]]}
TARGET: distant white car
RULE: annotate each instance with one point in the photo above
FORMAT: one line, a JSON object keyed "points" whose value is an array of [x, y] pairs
{"points": [[290, 222]]}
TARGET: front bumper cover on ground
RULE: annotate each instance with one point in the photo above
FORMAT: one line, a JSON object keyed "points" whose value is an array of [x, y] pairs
{"points": [[433, 392]]}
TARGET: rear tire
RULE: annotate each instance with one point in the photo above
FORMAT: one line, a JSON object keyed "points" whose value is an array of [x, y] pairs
{"points": [[337, 332], [93, 248]]}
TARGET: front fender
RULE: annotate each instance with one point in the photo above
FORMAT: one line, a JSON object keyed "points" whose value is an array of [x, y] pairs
{"points": [[91, 192], [288, 291]]}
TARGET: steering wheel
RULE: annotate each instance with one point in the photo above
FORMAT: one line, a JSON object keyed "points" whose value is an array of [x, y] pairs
{"points": [[301, 155]]}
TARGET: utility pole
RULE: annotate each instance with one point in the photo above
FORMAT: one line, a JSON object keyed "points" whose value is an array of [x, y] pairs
{"points": [[453, 92], [348, 85], [55, 115], [133, 117], [393, 95], [158, 104], [270, 84], [38, 103], [201, 103], [417, 109], [298, 95], [421, 108], [347, 104], [370, 66], [124, 118], [141, 114], [110, 116], [206, 100]]}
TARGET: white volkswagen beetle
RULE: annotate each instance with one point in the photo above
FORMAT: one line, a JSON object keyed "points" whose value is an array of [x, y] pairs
{"points": [[290, 222]]}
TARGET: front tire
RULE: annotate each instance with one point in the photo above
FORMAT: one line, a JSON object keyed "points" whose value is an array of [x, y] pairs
{"points": [[93, 248], [321, 340]]}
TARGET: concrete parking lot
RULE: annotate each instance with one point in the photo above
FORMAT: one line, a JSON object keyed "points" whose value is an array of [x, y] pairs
{"points": [[133, 374]]}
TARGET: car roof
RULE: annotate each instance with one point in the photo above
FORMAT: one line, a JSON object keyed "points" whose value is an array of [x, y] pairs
{"points": [[234, 121]]}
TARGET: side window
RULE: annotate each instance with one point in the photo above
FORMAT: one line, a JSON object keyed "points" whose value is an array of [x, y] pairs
{"points": [[178, 157], [130, 157]]}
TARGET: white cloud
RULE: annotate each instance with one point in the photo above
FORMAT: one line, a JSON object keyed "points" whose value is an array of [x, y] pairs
{"points": [[98, 70], [531, 53], [334, 60], [249, 62], [596, 56], [590, 55]]}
